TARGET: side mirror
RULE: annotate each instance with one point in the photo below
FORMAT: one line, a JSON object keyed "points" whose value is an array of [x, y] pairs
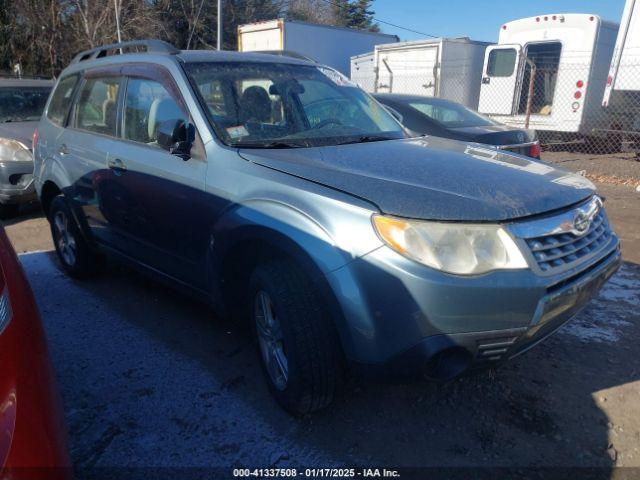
{"points": [[177, 137]]}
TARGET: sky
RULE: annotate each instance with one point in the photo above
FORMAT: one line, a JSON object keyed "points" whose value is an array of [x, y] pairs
{"points": [[478, 19]]}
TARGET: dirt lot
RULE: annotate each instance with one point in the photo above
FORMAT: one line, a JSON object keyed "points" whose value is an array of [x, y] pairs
{"points": [[150, 378]]}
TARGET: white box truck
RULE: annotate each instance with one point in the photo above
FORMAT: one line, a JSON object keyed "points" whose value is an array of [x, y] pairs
{"points": [[328, 45], [448, 68], [571, 53]]}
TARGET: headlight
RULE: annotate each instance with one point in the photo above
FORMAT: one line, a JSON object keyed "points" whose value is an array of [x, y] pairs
{"points": [[456, 248], [14, 151]]}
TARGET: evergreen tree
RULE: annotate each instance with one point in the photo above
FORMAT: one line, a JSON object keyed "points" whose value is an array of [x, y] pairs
{"points": [[355, 14]]}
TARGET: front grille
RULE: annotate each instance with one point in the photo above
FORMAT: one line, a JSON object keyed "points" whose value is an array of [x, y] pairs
{"points": [[557, 251]]}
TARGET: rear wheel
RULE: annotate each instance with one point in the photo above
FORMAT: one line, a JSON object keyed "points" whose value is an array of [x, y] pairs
{"points": [[74, 254], [298, 345]]}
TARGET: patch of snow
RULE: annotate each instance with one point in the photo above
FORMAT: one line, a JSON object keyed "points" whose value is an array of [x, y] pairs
{"points": [[586, 329], [616, 308], [622, 287]]}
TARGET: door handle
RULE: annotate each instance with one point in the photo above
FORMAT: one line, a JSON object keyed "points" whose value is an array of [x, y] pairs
{"points": [[117, 165], [63, 150]]}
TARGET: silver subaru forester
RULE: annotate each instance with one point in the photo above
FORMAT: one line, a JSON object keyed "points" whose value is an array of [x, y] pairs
{"points": [[278, 191]]}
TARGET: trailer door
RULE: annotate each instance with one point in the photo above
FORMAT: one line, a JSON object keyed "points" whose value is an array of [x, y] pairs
{"points": [[412, 70], [500, 79]]}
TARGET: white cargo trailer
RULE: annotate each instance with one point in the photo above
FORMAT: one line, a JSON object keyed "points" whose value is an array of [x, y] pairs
{"points": [[624, 73], [363, 71], [332, 46], [571, 53], [448, 68]]}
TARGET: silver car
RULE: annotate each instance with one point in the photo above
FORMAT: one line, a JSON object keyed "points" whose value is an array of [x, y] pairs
{"points": [[22, 102]]}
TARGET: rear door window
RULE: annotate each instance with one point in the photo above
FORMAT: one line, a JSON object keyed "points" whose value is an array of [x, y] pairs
{"points": [[97, 107], [451, 115], [61, 100], [502, 62]]}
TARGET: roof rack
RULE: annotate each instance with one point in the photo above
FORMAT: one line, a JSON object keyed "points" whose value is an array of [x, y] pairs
{"points": [[151, 46]]}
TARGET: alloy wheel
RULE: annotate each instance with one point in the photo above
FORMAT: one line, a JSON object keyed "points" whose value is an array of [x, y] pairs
{"points": [[65, 240], [270, 339]]}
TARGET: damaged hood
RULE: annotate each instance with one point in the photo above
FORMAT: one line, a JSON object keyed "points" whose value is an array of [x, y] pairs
{"points": [[433, 179]]}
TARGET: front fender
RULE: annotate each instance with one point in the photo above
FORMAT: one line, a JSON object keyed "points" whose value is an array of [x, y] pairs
{"points": [[281, 226], [271, 224]]}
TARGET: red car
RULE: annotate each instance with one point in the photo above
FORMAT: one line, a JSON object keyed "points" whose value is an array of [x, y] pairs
{"points": [[32, 432]]}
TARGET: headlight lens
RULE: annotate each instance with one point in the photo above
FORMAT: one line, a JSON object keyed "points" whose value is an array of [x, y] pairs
{"points": [[14, 151], [460, 249]]}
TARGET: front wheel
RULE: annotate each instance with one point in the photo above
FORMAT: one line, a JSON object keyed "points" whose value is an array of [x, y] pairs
{"points": [[298, 345], [74, 253]]}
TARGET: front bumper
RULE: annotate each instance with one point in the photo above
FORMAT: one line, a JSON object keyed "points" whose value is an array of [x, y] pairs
{"points": [[402, 319], [16, 183]]}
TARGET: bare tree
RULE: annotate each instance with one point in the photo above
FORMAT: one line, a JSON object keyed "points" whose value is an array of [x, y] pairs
{"points": [[93, 22], [43, 35], [35, 35], [314, 11]]}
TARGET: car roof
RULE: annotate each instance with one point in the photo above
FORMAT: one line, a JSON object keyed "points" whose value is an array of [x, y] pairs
{"points": [[25, 82], [405, 98]]}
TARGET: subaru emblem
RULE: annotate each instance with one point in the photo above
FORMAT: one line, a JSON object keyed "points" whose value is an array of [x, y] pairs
{"points": [[581, 223]]}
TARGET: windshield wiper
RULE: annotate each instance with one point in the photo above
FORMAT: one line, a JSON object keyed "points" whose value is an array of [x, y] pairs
{"points": [[274, 144], [367, 139]]}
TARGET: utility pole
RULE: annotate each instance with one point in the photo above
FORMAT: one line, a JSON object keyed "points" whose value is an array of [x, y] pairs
{"points": [[219, 24], [117, 7]]}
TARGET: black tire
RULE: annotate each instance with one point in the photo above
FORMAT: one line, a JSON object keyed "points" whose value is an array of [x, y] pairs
{"points": [[8, 210], [84, 263], [308, 337]]}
